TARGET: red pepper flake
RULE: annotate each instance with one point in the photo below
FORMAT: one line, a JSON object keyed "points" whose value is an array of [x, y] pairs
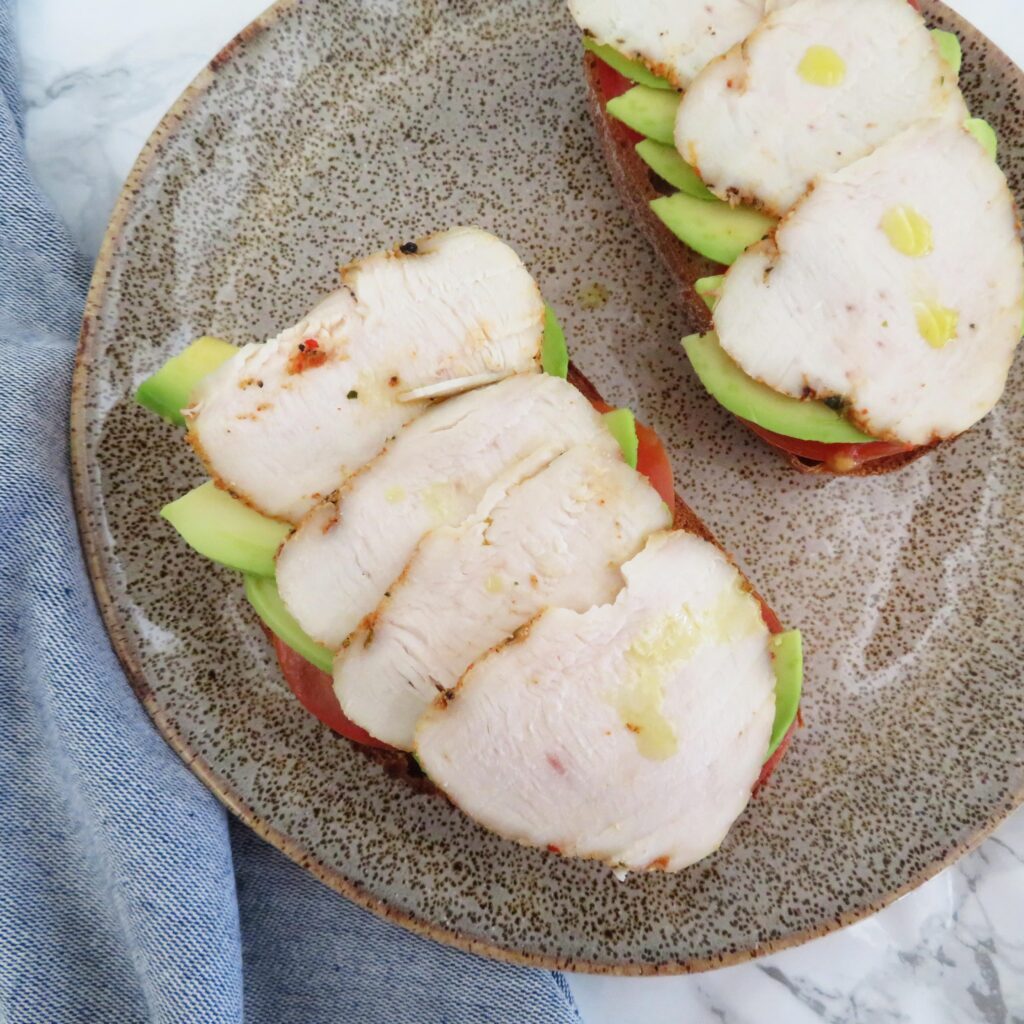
{"points": [[312, 344], [306, 358], [553, 849]]}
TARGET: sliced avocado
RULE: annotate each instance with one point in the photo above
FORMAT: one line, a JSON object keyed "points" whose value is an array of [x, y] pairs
{"points": [[168, 391], [985, 134], [788, 660], [709, 289], [631, 69], [225, 530], [622, 425], [263, 596], [666, 162], [949, 48], [554, 355], [751, 400], [651, 112], [716, 230]]}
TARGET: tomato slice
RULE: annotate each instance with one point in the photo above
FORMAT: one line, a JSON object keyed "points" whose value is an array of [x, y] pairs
{"points": [[314, 690], [771, 620], [609, 85], [840, 458], [651, 459]]}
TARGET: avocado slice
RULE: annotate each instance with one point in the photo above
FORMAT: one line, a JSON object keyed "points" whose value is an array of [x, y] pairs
{"points": [[949, 48], [168, 391], [716, 230], [788, 661], [985, 134], [631, 69], [666, 162], [651, 112], [622, 425], [262, 594], [780, 408], [709, 289], [554, 354], [225, 530], [751, 400]]}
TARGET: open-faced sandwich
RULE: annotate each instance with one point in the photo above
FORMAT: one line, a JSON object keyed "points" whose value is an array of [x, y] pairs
{"points": [[474, 568], [810, 171]]}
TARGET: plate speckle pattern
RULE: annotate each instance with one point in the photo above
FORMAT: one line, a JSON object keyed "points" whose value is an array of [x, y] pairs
{"points": [[330, 129]]}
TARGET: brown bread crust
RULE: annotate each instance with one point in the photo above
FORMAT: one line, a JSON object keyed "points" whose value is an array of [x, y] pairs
{"points": [[638, 185]]}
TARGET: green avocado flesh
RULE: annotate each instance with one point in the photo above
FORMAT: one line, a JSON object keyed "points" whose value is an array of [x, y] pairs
{"points": [[949, 48], [168, 391], [721, 376], [263, 596], [622, 425], [666, 162], [756, 402], [985, 134], [716, 230], [225, 530], [788, 661], [554, 355], [709, 288], [631, 69], [651, 112]]}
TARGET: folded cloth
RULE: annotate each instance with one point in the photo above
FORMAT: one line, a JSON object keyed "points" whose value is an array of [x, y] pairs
{"points": [[124, 893]]}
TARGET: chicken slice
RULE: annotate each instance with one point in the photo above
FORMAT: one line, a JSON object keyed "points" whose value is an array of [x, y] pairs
{"points": [[558, 538], [675, 40], [895, 287], [631, 733], [819, 84], [336, 567], [283, 423]]}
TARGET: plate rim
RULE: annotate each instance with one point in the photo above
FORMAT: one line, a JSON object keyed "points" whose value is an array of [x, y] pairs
{"points": [[172, 121]]}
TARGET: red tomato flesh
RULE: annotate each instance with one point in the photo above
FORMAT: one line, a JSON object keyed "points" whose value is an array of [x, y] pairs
{"points": [[609, 85], [314, 690], [841, 458], [652, 460]]}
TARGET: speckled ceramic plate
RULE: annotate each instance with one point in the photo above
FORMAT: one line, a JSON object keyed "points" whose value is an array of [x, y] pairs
{"points": [[329, 129]]}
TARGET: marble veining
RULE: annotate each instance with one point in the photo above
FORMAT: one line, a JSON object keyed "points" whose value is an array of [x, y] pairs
{"points": [[97, 78], [953, 951]]}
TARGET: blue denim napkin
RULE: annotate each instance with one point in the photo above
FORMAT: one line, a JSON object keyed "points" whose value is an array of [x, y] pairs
{"points": [[125, 893]]}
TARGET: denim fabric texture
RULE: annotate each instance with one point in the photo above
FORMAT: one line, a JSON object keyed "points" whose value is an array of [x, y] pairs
{"points": [[125, 893]]}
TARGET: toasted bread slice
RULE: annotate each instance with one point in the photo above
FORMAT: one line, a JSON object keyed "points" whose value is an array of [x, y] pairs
{"points": [[638, 185]]}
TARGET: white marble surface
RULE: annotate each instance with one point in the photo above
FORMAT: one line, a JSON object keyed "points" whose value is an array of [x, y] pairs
{"points": [[98, 75]]}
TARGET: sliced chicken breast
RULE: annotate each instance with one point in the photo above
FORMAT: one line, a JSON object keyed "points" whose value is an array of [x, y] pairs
{"points": [[895, 286], [675, 40], [556, 538], [283, 423], [818, 85], [335, 568], [632, 733]]}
